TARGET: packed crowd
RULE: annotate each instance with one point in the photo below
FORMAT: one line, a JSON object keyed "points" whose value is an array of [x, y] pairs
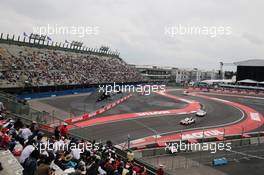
{"points": [[39, 67], [43, 154]]}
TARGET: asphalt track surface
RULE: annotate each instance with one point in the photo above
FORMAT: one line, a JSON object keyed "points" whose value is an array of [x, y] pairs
{"points": [[217, 113], [87, 103], [257, 104], [145, 103]]}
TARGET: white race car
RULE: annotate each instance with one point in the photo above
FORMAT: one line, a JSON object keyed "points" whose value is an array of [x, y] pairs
{"points": [[185, 92], [187, 121], [200, 113]]}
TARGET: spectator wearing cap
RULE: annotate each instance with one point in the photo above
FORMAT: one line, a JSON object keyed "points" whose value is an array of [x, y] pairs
{"points": [[64, 130]]}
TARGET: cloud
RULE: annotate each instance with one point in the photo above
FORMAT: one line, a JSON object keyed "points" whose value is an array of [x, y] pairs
{"points": [[253, 39], [136, 28]]}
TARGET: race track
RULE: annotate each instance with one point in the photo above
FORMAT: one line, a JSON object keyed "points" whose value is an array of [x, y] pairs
{"points": [[218, 113]]}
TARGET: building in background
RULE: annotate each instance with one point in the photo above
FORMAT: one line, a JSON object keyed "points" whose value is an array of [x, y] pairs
{"points": [[167, 74], [155, 73], [250, 69]]}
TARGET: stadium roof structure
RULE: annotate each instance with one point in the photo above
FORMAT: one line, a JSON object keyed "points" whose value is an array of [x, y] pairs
{"points": [[252, 62], [248, 81]]}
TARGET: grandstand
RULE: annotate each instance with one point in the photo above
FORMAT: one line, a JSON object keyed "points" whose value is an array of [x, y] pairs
{"points": [[24, 64]]}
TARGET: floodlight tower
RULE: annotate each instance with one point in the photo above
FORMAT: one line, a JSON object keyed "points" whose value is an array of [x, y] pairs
{"points": [[221, 68]]}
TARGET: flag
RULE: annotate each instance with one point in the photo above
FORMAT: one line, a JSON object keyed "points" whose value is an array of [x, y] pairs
{"points": [[49, 38], [66, 41]]}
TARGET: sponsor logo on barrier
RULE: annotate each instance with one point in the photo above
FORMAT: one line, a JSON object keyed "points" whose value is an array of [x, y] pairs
{"points": [[153, 113], [202, 134]]}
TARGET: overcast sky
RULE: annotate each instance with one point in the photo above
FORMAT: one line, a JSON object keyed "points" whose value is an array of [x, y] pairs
{"points": [[136, 28]]}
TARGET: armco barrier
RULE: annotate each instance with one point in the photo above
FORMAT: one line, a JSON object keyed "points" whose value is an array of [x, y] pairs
{"points": [[97, 112], [232, 91]]}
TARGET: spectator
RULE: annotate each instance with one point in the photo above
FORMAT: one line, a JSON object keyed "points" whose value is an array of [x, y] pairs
{"points": [[18, 124], [57, 133], [23, 134], [37, 67], [27, 151], [64, 130], [31, 163], [5, 138], [160, 170], [94, 160], [2, 108], [34, 129], [44, 167]]}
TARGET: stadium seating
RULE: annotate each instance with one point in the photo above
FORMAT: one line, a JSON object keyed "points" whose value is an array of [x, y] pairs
{"points": [[32, 66], [42, 152]]}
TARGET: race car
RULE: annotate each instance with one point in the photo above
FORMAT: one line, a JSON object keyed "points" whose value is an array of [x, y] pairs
{"points": [[200, 113], [185, 92], [187, 121], [205, 90]]}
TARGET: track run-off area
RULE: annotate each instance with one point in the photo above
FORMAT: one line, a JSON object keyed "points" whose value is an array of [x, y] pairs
{"points": [[225, 117]]}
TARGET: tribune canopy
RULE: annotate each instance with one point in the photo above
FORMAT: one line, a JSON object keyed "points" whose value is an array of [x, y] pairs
{"points": [[248, 81], [251, 62]]}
